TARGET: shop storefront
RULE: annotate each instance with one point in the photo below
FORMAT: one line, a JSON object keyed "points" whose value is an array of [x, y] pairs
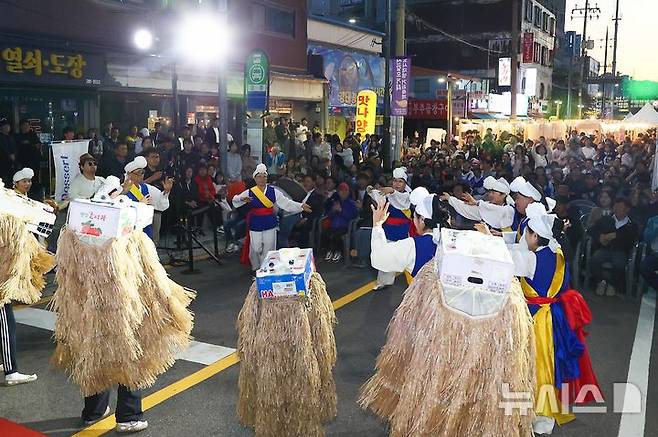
{"points": [[51, 88]]}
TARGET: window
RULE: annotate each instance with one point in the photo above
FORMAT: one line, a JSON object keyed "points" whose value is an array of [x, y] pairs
{"points": [[537, 53], [528, 10], [271, 19], [421, 86], [551, 26], [544, 22], [550, 58], [537, 16], [544, 56]]}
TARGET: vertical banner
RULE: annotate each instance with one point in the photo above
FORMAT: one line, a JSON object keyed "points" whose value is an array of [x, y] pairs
{"points": [[257, 80], [504, 71], [366, 112], [66, 156], [400, 74], [528, 47]]}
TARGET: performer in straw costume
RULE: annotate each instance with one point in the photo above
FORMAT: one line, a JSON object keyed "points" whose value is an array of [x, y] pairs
{"points": [[120, 319], [24, 263]]}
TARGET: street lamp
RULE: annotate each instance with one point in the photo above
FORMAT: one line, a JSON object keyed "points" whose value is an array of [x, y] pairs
{"points": [[442, 80], [143, 39], [557, 111]]}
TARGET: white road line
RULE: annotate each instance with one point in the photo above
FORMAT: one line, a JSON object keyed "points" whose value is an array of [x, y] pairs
{"points": [[198, 352], [632, 424]]}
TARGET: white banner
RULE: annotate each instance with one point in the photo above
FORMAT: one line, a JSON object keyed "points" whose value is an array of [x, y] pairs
{"points": [[66, 156]]}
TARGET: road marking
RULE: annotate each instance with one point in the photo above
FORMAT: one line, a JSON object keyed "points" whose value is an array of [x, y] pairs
{"points": [[632, 424], [106, 425], [197, 352]]}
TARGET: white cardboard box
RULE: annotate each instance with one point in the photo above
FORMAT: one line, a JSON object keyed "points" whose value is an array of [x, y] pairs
{"points": [[106, 220], [470, 259], [285, 272]]}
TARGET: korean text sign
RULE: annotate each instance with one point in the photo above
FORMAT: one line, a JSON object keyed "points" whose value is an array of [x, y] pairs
{"points": [[366, 112], [51, 66], [400, 74]]}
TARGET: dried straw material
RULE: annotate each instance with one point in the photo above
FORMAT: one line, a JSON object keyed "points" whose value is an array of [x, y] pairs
{"points": [[287, 351], [120, 319], [441, 373], [24, 262]]}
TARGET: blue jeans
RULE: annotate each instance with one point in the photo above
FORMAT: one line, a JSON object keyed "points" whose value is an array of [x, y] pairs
{"points": [[361, 243], [235, 228], [286, 224]]}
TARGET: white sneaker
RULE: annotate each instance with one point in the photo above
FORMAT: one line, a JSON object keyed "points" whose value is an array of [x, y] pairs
{"points": [[337, 256], [610, 291], [601, 288], [19, 378], [105, 414], [543, 425], [230, 248], [328, 256], [134, 426]]}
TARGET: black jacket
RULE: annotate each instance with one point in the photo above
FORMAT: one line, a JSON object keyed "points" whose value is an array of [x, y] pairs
{"points": [[316, 202]]}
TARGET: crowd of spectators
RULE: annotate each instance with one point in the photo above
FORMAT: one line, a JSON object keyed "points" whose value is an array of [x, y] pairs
{"points": [[601, 185]]}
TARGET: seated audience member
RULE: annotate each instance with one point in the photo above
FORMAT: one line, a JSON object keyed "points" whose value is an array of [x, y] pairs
{"points": [[340, 211], [613, 239], [207, 194]]}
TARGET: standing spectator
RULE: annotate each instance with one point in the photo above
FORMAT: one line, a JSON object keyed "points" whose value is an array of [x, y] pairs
{"points": [[188, 156], [153, 173], [113, 165], [588, 150], [316, 202], [233, 163], [158, 136], [275, 161], [301, 136], [269, 134], [207, 194], [187, 192], [68, 134], [139, 143], [559, 154], [321, 149], [112, 141], [131, 139], [212, 133], [28, 154], [283, 135], [248, 162], [340, 211], [95, 148]]}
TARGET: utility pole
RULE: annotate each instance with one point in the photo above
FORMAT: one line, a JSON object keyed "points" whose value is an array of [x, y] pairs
{"points": [[222, 97], [605, 71], [614, 59], [586, 10], [397, 122], [515, 57], [386, 145]]}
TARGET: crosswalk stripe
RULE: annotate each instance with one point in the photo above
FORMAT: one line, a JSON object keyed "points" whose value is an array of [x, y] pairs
{"points": [[197, 352]]}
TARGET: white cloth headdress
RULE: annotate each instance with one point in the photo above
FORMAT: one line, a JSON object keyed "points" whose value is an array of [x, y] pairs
{"points": [[260, 169], [424, 207], [542, 225], [26, 173], [500, 185], [528, 190], [418, 194], [400, 173], [135, 164]]}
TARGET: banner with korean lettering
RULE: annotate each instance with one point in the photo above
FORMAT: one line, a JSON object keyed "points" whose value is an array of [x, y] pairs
{"points": [[400, 74], [66, 156], [428, 109], [528, 47], [25, 64], [366, 112]]}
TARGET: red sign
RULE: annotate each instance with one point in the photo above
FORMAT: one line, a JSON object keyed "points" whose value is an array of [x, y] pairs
{"points": [[427, 109], [528, 47]]}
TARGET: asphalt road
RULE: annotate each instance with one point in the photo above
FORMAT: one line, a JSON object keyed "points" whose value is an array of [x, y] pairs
{"points": [[52, 405]]}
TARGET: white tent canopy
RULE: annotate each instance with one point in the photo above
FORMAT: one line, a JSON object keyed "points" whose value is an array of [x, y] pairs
{"points": [[646, 115]]}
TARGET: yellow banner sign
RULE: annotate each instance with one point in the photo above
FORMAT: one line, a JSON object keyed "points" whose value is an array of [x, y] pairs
{"points": [[366, 112]]}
